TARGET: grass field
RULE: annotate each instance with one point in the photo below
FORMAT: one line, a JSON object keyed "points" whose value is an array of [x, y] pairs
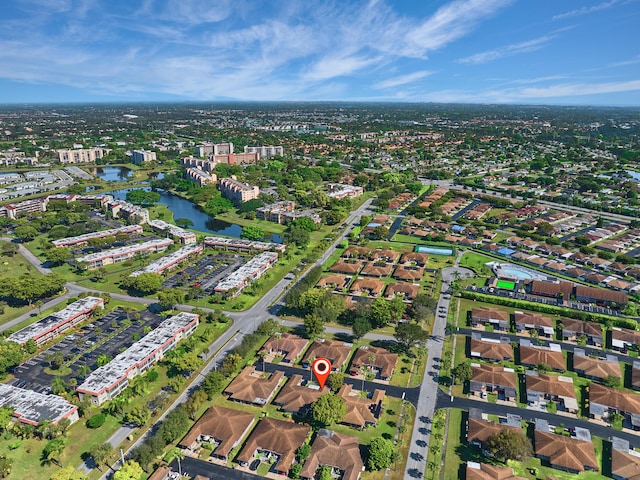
{"points": [[476, 262]]}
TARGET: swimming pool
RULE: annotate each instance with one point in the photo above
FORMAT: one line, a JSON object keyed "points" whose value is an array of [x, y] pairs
{"points": [[514, 272], [434, 250]]}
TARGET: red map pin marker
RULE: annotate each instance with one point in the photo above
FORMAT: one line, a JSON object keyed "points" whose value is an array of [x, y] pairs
{"points": [[321, 368]]}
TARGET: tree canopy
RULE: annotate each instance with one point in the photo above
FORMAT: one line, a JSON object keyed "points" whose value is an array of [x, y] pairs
{"points": [[328, 409], [510, 445]]}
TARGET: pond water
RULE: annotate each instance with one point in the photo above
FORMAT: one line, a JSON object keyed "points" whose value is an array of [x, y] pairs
{"points": [[634, 175], [112, 174], [182, 208]]}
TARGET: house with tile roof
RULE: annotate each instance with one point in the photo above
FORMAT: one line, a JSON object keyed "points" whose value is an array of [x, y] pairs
{"points": [[408, 291], [498, 319], [223, 427], [484, 471], [533, 321], [254, 387], [408, 273], [603, 401], [572, 329], [493, 379], [336, 351], [490, 349], [543, 388], [533, 355], [337, 450], [297, 395], [376, 359], [596, 368], [361, 412], [573, 455], [625, 462], [278, 439], [288, 345], [371, 286], [623, 338]]}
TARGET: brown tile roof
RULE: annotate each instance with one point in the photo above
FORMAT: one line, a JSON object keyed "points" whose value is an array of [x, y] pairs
{"points": [[625, 465], [342, 266], [337, 450], [540, 287], [533, 319], [160, 473], [490, 472], [601, 294], [361, 411], [565, 452], [294, 396], [383, 360], [403, 272], [550, 384], [537, 356], [250, 387], [480, 431], [625, 335], [494, 375], [492, 350], [288, 344], [386, 254], [579, 326], [484, 313], [283, 438], [408, 290], [356, 252], [594, 367], [377, 269], [611, 397], [419, 258], [374, 286], [334, 350], [226, 425], [340, 281]]}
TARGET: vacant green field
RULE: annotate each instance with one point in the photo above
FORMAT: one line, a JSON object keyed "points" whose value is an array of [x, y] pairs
{"points": [[476, 262]]}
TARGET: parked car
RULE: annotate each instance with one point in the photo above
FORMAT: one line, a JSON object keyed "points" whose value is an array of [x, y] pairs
{"points": [[254, 465]]}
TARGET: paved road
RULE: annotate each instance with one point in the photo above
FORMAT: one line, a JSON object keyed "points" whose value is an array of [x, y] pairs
{"points": [[31, 258], [339, 330], [444, 401], [193, 466], [420, 437]]}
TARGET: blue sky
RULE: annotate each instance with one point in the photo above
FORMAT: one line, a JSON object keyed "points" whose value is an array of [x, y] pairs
{"points": [[577, 52]]}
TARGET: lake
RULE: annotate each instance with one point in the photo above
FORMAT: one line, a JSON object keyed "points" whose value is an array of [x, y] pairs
{"points": [[182, 208], [112, 174]]}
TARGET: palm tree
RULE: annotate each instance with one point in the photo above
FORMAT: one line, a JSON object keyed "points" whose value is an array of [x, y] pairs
{"points": [[178, 454], [43, 430]]}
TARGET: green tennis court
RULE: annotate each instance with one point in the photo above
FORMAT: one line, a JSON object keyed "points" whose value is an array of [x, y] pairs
{"points": [[506, 285]]}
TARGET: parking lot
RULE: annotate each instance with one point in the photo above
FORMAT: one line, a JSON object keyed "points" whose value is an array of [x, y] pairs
{"points": [[82, 345], [206, 272]]}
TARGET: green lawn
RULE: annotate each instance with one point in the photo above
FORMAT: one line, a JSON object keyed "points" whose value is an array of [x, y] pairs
{"points": [[15, 266], [476, 262]]}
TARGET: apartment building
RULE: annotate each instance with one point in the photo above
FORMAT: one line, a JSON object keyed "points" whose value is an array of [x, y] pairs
{"points": [[170, 261], [53, 325], [284, 212], [83, 239], [249, 272], [139, 157], [20, 209], [80, 155], [266, 151], [242, 245], [128, 211], [122, 254], [238, 192], [207, 149], [31, 407], [201, 177], [106, 382], [185, 237], [340, 190]]}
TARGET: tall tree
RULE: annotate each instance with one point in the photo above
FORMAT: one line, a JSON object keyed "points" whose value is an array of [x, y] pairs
{"points": [[328, 409], [510, 445]]}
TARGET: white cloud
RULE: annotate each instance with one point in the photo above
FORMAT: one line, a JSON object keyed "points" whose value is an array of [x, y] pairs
{"points": [[402, 79], [585, 10], [576, 89], [508, 50], [450, 23]]}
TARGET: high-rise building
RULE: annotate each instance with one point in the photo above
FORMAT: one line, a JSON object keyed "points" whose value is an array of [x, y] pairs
{"points": [[80, 155], [141, 156], [266, 151], [237, 191]]}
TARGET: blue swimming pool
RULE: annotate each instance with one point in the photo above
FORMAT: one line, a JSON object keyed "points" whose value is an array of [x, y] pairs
{"points": [[434, 250], [514, 272]]}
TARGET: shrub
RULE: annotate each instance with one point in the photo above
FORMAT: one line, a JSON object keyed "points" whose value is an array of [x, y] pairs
{"points": [[96, 421]]}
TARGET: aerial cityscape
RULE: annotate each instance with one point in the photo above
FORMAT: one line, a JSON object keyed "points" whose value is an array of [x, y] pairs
{"points": [[238, 241]]}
